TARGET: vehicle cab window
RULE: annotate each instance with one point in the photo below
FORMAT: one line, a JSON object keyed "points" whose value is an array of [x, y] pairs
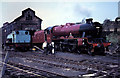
{"points": [[26, 33], [17, 32]]}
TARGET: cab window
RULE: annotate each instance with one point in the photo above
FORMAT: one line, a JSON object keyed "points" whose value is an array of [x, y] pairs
{"points": [[17, 32]]}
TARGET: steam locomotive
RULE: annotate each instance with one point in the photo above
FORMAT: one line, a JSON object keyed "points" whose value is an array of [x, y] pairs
{"points": [[75, 37], [72, 37]]}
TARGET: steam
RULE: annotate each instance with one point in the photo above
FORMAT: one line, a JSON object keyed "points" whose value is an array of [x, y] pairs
{"points": [[82, 10]]}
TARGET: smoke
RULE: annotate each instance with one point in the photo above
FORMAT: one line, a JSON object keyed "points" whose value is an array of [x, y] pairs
{"points": [[82, 10]]}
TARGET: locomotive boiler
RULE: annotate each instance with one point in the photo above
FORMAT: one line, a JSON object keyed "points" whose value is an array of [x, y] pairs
{"points": [[76, 37], [89, 29]]}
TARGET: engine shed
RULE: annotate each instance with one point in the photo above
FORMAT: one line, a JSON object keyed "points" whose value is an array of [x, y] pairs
{"points": [[27, 21]]}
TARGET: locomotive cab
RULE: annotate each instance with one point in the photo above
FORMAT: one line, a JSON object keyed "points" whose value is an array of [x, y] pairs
{"points": [[48, 34]]}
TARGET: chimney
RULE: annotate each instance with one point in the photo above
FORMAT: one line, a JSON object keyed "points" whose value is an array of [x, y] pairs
{"points": [[89, 21]]}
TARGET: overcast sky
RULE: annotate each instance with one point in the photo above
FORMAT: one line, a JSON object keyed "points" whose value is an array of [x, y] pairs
{"points": [[57, 13]]}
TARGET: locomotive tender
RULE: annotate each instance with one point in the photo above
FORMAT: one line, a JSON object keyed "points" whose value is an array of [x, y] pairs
{"points": [[73, 37]]}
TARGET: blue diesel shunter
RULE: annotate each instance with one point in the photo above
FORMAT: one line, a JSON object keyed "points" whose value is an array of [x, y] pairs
{"points": [[20, 36], [19, 40]]}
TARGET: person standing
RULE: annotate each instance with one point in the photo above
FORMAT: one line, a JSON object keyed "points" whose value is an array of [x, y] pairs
{"points": [[46, 47], [51, 48]]}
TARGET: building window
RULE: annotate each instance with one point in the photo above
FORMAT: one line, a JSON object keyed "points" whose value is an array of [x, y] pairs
{"points": [[28, 17]]}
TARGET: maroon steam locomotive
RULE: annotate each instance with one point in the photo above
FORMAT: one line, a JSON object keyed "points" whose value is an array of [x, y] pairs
{"points": [[74, 37]]}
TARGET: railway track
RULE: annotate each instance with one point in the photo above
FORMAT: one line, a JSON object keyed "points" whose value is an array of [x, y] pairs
{"points": [[86, 65], [31, 71]]}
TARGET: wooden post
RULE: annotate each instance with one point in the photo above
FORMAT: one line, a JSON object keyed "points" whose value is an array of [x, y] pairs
{"points": [[4, 66]]}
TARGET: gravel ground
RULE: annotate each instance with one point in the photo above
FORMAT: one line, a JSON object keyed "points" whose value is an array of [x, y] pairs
{"points": [[67, 64]]}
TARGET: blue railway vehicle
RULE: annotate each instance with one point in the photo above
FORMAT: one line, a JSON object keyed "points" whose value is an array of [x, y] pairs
{"points": [[18, 40]]}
